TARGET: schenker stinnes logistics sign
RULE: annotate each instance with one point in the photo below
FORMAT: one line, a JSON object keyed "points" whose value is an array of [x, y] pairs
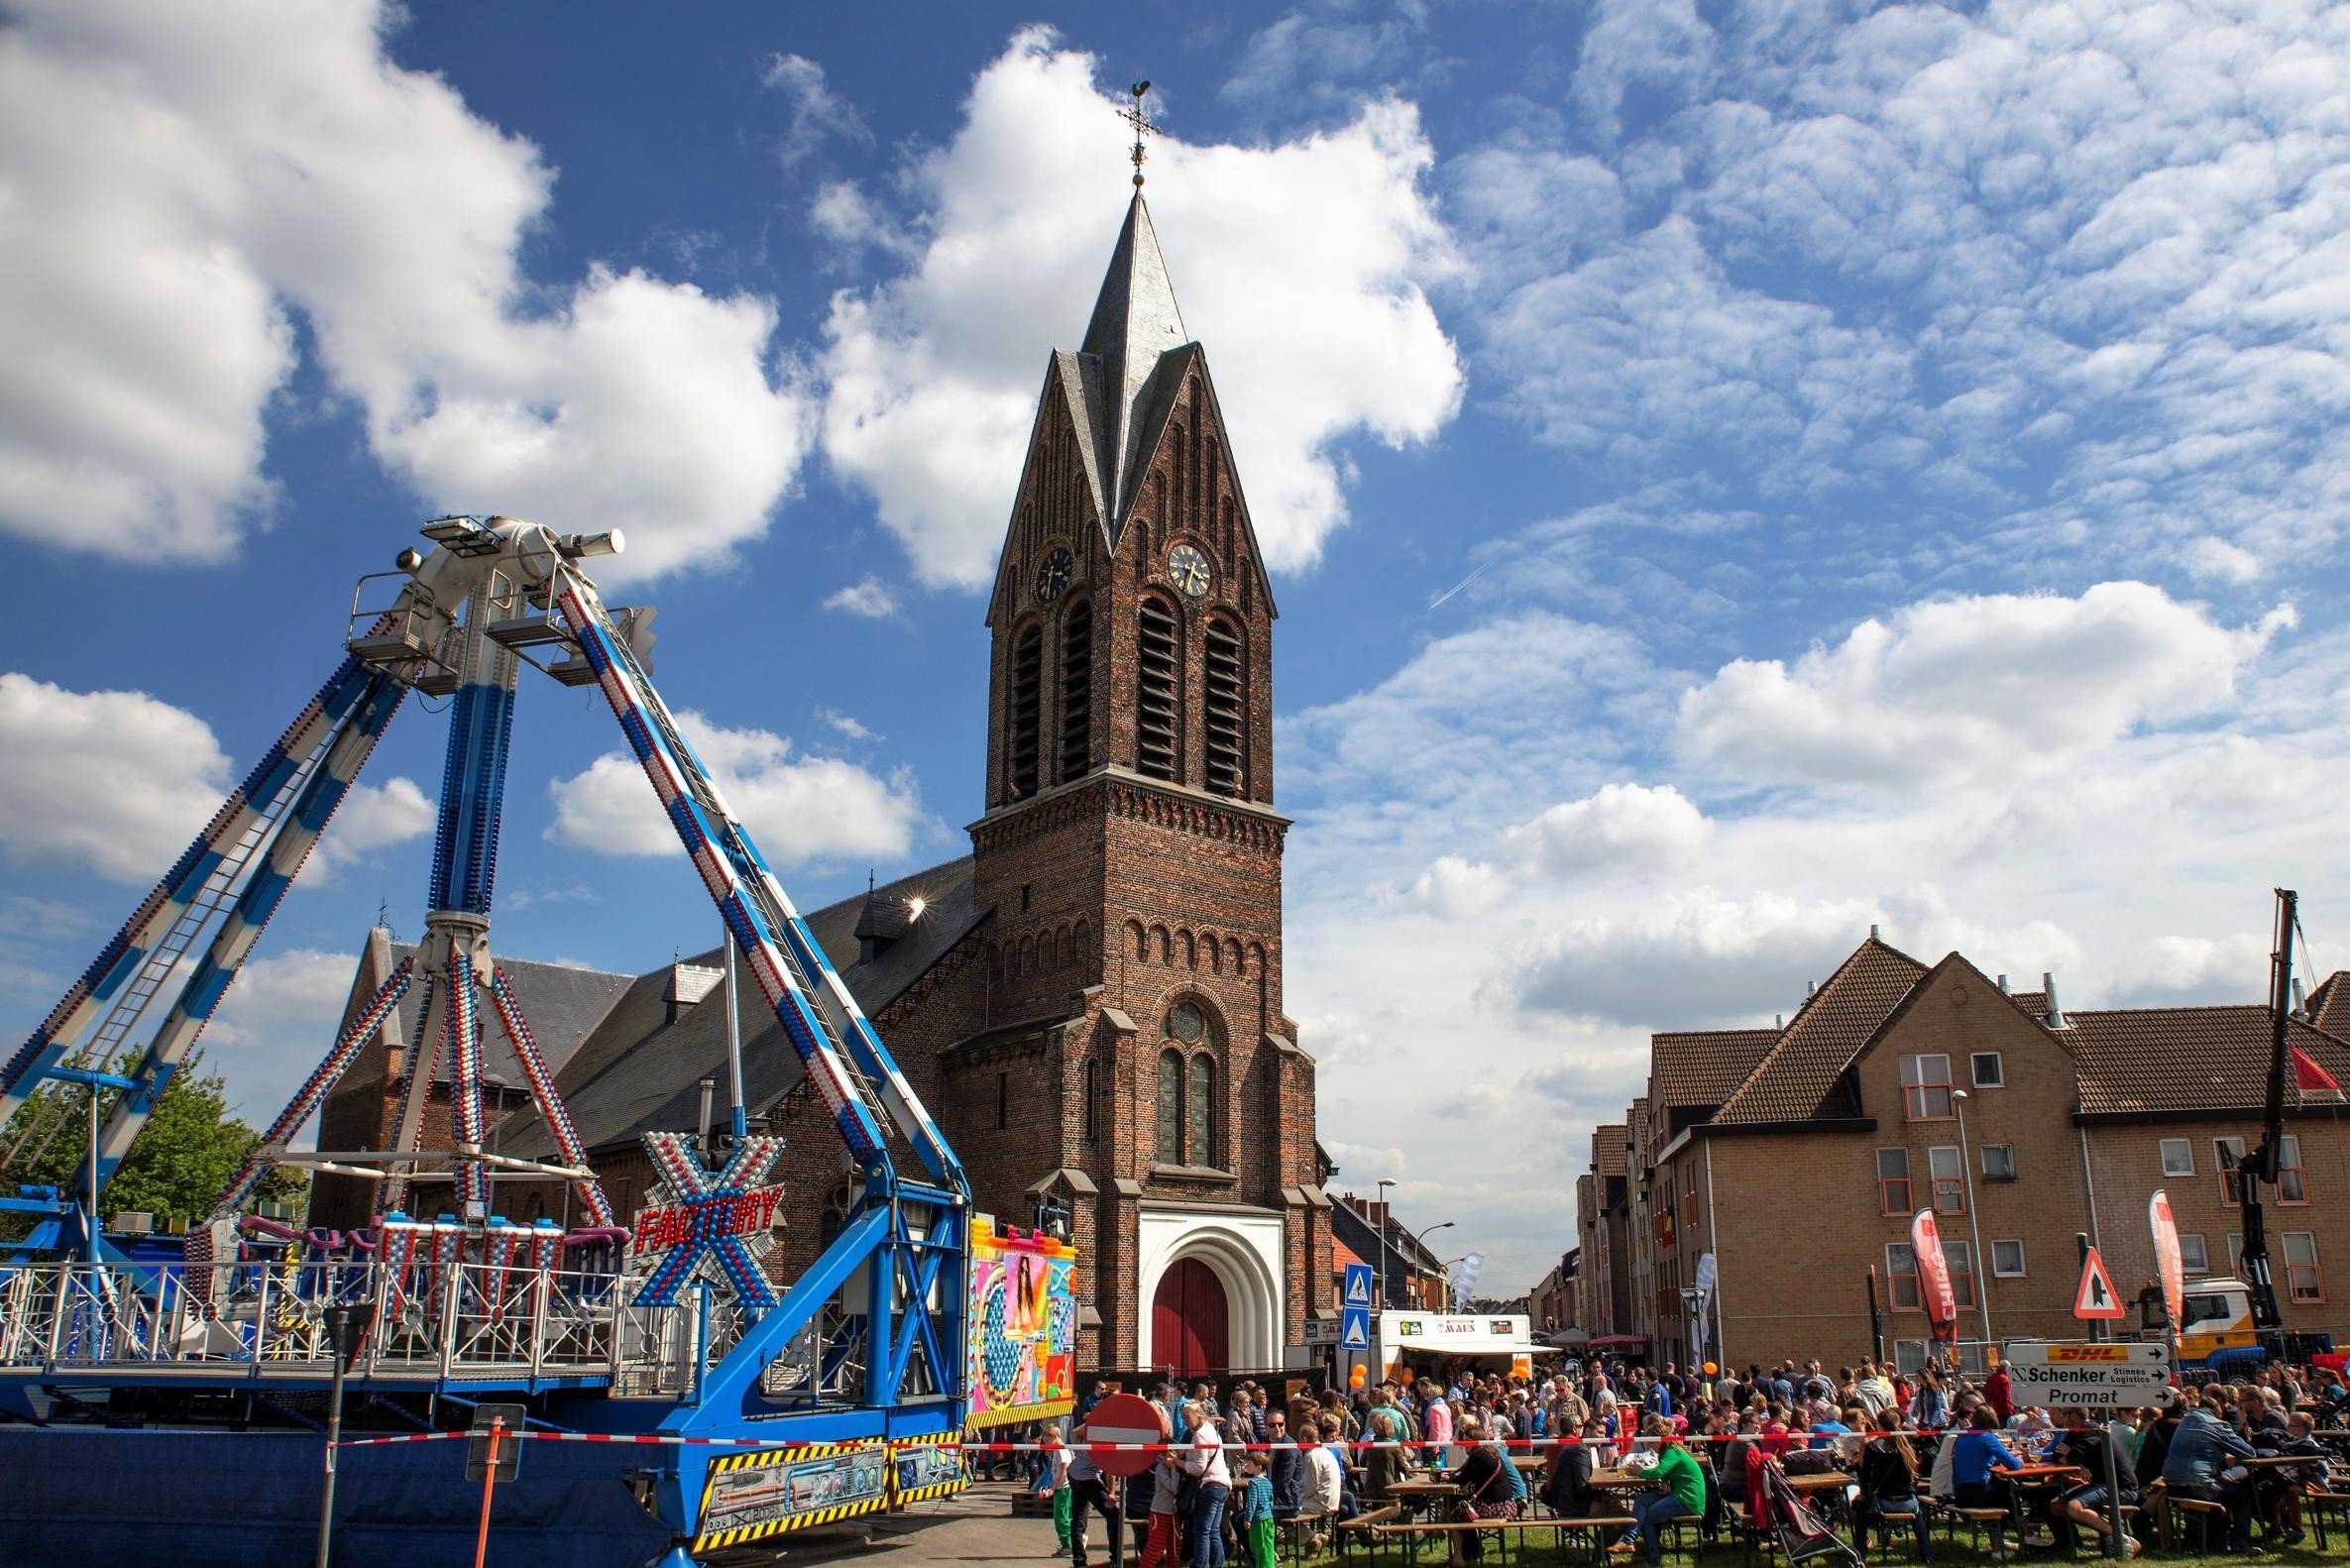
{"points": [[2093, 1377]]}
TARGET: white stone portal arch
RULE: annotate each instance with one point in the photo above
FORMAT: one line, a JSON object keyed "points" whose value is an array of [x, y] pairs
{"points": [[1245, 1252]]}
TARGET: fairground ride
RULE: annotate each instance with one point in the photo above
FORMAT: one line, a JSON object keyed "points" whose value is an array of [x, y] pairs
{"points": [[667, 1332]]}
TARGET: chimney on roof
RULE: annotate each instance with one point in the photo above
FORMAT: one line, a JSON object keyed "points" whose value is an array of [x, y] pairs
{"points": [[2003, 985], [689, 984], [2056, 1014], [1811, 988], [1778, 1020], [2300, 998], [1872, 930]]}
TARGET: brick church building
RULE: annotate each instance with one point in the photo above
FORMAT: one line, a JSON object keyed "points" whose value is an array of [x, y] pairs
{"points": [[1090, 1002]]}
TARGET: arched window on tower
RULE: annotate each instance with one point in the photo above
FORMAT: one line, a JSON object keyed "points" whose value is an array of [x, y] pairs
{"points": [[1159, 690], [1077, 691], [1027, 714], [1226, 701], [1171, 1108], [1200, 1144]]}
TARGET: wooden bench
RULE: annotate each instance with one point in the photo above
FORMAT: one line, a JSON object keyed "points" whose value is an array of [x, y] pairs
{"points": [[1505, 1531], [1357, 1531], [2199, 1510], [2315, 1505]]}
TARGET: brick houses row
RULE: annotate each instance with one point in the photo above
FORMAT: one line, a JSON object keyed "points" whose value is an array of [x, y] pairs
{"points": [[1797, 1154]]}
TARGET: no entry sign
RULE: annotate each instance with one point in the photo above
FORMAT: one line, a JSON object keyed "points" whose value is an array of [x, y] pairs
{"points": [[1123, 1419]]}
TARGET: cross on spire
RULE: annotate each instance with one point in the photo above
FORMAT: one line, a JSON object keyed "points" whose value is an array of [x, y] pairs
{"points": [[1135, 116]]}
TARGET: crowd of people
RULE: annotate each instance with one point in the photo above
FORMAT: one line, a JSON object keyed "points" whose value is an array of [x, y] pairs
{"points": [[1236, 1469]]}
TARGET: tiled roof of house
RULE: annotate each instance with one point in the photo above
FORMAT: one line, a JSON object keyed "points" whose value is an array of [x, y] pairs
{"points": [[1705, 1067], [1802, 1076], [2191, 1059], [2033, 1002], [1608, 1148], [2329, 1005]]}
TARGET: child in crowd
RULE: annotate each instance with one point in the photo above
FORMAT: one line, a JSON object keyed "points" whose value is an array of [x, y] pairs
{"points": [[1166, 1488], [1253, 1513], [1054, 1479]]}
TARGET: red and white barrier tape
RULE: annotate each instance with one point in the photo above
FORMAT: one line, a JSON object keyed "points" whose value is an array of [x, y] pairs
{"points": [[669, 1439]]}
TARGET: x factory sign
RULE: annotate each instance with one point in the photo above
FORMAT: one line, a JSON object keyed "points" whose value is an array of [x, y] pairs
{"points": [[696, 1214]]}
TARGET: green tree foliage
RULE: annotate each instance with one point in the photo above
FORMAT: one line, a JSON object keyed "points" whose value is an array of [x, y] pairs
{"points": [[184, 1156]]}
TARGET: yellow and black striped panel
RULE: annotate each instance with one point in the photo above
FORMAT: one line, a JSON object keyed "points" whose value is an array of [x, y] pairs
{"points": [[736, 1509], [919, 1472]]}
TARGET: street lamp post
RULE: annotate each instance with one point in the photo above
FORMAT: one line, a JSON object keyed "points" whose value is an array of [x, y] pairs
{"points": [[1974, 1226], [1381, 1295], [1446, 1282]]}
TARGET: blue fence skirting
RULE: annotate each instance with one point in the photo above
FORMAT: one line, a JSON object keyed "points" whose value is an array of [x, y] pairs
{"points": [[84, 1497]]}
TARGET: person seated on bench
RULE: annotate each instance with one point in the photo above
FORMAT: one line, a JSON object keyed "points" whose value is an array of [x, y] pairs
{"points": [[2081, 1442], [1888, 1477], [2202, 1452], [1976, 1455], [1483, 1491], [1566, 1487], [1680, 1492]]}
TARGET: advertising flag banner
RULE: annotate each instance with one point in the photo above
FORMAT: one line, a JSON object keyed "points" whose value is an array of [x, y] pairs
{"points": [[1934, 1276], [2166, 1257]]}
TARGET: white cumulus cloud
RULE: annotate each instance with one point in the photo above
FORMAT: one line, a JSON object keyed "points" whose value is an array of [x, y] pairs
{"points": [[1302, 267], [798, 807], [275, 1024], [180, 183], [117, 782], [869, 597], [1991, 684]]}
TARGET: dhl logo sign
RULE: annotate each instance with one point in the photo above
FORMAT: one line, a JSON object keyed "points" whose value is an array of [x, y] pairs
{"points": [[2086, 1354]]}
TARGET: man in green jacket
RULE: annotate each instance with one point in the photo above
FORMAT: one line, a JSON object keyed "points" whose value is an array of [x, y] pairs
{"points": [[1680, 1493]]}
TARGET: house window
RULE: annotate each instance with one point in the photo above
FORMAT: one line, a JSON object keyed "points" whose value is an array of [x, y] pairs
{"points": [[1157, 689], [1901, 1274], [2236, 1254], [2193, 1259], [1950, 1178], [1171, 1108], [1199, 1148], [2227, 1152], [1989, 1071], [2303, 1280], [1077, 691], [2292, 1186], [2178, 1156], [1959, 1256], [1926, 1087], [1998, 1162], [1893, 1194], [2007, 1259]]}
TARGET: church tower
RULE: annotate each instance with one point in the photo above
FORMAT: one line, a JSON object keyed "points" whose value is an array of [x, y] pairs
{"points": [[1131, 856]]}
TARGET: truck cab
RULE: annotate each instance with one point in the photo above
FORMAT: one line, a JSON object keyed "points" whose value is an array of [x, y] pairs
{"points": [[2216, 1329]]}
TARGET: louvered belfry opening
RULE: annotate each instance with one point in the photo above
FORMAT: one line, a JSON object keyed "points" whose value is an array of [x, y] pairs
{"points": [[1159, 689], [1076, 692], [1028, 709], [1227, 709]]}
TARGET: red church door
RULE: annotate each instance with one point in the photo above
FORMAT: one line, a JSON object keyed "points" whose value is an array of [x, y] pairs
{"points": [[1187, 1316]]}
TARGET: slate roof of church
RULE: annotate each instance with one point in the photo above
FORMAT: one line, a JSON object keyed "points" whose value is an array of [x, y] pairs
{"points": [[1802, 1076], [1135, 324], [640, 1071]]}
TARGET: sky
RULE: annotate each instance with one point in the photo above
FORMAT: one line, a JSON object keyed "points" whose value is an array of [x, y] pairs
{"points": [[1734, 474]]}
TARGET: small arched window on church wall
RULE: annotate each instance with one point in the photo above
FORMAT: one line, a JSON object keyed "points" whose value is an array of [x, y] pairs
{"points": [[1159, 690], [1227, 708], [1081, 944], [1159, 941], [1138, 941], [1179, 443], [1027, 714], [1171, 1108], [1077, 691]]}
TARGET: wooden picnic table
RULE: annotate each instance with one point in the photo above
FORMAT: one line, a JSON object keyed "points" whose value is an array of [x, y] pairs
{"points": [[1819, 1480], [2279, 1461]]}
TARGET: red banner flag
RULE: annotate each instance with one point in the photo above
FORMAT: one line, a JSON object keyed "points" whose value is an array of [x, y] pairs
{"points": [[2311, 1078], [1934, 1276], [2166, 1257]]}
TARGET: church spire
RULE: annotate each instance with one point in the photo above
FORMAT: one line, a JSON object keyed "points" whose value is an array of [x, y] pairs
{"points": [[1135, 324]]}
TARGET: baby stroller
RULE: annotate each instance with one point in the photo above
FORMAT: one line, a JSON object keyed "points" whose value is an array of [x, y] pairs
{"points": [[1803, 1536]]}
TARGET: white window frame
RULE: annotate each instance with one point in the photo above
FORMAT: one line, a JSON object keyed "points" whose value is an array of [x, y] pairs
{"points": [[2169, 1144], [2000, 1272], [1935, 1179], [1974, 1069], [1914, 1083], [2308, 1239], [2197, 1264], [1954, 1252]]}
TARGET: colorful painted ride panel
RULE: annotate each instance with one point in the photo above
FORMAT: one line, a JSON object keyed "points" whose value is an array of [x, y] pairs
{"points": [[1023, 1326]]}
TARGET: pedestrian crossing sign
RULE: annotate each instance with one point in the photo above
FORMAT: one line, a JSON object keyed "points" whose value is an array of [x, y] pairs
{"points": [[1355, 1330], [1357, 1285]]}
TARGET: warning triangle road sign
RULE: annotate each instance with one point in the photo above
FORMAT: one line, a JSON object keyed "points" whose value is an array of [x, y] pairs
{"points": [[2096, 1298], [1357, 1335]]}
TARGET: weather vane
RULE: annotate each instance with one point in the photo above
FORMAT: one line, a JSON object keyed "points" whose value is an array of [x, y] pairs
{"points": [[1142, 127]]}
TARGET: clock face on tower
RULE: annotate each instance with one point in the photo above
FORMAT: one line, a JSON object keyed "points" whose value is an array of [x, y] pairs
{"points": [[1187, 568], [1052, 575]]}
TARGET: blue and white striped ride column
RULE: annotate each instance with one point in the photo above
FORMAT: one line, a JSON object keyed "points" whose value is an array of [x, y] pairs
{"points": [[465, 873]]}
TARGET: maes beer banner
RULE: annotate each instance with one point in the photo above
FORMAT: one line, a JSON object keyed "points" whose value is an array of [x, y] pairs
{"points": [[1023, 1333]]}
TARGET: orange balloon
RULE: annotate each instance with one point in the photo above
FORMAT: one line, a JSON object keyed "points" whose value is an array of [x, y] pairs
{"points": [[1711, 1368], [1357, 1378]]}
